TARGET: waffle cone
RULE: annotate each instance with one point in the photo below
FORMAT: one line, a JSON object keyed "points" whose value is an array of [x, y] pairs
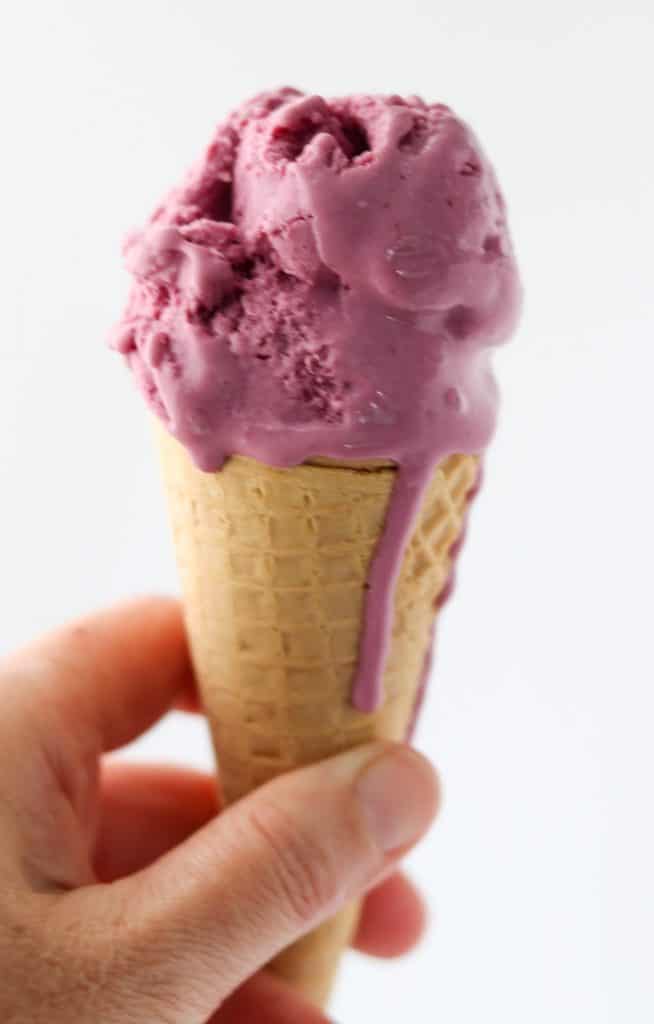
{"points": [[273, 564]]}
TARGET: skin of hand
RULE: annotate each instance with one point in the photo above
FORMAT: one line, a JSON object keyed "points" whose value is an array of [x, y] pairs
{"points": [[126, 894]]}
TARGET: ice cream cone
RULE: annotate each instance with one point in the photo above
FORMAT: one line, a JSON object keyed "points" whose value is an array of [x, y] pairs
{"points": [[273, 564]]}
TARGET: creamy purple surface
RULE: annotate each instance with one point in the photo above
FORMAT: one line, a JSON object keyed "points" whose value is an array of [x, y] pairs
{"points": [[329, 280]]}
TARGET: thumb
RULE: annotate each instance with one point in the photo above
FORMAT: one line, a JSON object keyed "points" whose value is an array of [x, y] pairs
{"points": [[269, 869]]}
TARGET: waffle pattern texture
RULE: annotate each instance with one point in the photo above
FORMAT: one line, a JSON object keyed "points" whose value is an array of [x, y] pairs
{"points": [[273, 564]]}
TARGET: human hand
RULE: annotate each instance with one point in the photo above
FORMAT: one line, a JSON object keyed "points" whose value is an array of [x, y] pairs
{"points": [[123, 897]]}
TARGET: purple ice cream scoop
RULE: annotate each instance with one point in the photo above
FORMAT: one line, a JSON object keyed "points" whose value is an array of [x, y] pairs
{"points": [[329, 280]]}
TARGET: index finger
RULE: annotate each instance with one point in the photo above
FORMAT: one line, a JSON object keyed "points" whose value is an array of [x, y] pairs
{"points": [[112, 674]]}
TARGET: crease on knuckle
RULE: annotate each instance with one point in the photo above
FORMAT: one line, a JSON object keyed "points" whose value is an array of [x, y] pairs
{"points": [[63, 970], [61, 962], [302, 869], [109, 970]]}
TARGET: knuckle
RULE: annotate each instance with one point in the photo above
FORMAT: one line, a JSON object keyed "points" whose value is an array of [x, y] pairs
{"points": [[62, 962], [302, 870], [113, 975], [55, 960]]}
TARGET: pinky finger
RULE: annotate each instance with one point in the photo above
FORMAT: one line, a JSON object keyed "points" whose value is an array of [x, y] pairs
{"points": [[393, 918], [267, 1000]]}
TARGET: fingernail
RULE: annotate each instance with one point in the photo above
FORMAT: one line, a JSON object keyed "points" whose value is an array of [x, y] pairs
{"points": [[398, 794]]}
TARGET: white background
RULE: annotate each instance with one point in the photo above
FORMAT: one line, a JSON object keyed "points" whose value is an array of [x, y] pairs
{"points": [[541, 713]]}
